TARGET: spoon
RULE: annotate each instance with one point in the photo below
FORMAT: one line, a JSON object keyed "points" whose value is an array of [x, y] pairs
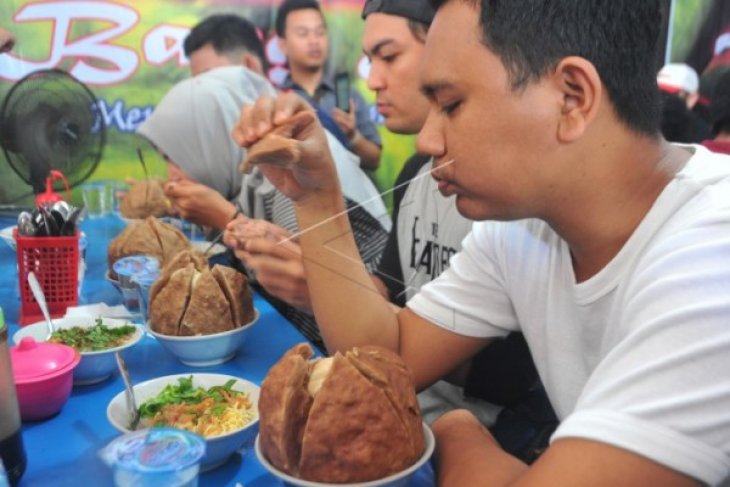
{"points": [[128, 392], [40, 298], [63, 208], [26, 227], [69, 227]]}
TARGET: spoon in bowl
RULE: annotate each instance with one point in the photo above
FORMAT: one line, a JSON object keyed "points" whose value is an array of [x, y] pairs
{"points": [[40, 298], [128, 392]]}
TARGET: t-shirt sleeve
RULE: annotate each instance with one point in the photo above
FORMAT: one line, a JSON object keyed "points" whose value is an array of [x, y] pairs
{"points": [[364, 121], [662, 390], [469, 298]]}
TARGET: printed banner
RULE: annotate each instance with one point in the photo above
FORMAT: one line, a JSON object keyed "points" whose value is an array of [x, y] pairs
{"points": [[129, 53]]}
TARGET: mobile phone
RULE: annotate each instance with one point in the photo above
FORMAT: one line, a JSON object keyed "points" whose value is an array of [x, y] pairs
{"points": [[342, 91]]}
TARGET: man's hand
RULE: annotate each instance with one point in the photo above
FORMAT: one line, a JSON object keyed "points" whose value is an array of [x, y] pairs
{"points": [[366, 150], [199, 204], [276, 259], [290, 117], [346, 121]]}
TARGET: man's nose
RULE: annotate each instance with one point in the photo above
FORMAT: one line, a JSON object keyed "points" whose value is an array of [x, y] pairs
{"points": [[430, 139]]}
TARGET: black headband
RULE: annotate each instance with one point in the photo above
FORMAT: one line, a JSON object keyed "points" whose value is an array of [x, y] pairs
{"points": [[418, 10]]}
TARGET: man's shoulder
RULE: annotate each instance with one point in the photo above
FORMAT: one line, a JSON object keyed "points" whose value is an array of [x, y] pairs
{"points": [[704, 167], [413, 166]]}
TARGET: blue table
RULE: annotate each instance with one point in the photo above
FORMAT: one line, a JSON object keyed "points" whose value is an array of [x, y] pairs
{"points": [[63, 450]]}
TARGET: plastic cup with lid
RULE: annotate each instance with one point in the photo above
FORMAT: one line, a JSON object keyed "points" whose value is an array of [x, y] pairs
{"points": [[133, 271], [154, 457], [144, 282]]}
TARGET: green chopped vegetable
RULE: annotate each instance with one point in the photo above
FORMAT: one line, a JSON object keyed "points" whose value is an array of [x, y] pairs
{"points": [[185, 393], [93, 338]]}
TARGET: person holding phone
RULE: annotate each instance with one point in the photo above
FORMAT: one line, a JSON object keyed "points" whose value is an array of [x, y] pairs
{"points": [[302, 34]]}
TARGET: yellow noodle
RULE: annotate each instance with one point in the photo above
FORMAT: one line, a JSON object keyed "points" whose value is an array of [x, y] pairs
{"points": [[202, 418]]}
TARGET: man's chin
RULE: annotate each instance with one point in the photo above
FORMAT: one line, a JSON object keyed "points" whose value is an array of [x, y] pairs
{"points": [[400, 126]]}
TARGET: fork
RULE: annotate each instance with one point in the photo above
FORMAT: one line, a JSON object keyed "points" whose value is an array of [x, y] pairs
{"points": [[128, 392]]}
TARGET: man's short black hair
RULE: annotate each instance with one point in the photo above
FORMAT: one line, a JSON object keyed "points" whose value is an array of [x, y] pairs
{"points": [[289, 6], [228, 34], [619, 37]]}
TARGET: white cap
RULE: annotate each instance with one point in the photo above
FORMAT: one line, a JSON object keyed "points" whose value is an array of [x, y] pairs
{"points": [[676, 77]]}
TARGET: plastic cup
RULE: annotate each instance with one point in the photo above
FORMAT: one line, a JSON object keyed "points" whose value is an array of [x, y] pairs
{"points": [[136, 274], [155, 457], [144, 282], [118, 190], [98, 198]]}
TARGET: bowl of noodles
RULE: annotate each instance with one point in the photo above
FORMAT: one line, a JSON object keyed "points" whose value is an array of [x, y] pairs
{"points": [[221, 408]]}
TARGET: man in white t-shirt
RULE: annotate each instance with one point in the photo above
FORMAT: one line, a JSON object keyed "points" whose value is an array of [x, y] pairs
{"points": [[608, 247]]}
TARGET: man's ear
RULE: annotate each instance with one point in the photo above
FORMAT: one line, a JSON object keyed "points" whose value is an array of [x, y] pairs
{"points": [[253, 63], [582, 92]]}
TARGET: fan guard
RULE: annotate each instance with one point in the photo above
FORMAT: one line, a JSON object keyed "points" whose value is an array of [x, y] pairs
{"points": [[50, 120]]}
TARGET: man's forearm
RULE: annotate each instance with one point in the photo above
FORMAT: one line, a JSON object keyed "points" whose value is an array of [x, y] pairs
{"points": [[349, 309], [468, 455]]}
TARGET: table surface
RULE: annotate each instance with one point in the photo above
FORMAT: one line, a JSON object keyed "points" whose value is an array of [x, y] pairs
{"points": [[63, 450]]}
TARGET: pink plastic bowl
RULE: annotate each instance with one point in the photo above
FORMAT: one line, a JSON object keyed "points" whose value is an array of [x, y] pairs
{"points": [[43, 374]]}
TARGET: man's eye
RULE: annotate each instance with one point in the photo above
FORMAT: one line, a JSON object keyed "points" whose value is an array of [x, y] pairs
{"points": [[451, 107]]}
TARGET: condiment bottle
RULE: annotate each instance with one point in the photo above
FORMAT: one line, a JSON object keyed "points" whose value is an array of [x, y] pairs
{"points": [[12, 451]]}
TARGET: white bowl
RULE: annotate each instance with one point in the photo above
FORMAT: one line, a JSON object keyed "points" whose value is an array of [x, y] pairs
{"points": [[206, 350], [218, 448], [400, 479], [94, 366]]}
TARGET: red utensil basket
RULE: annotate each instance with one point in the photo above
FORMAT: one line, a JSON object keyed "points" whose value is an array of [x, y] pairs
{"points": [[55, 262]]}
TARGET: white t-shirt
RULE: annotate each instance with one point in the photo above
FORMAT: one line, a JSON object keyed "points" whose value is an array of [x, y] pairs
{"points": [[638, 356]]}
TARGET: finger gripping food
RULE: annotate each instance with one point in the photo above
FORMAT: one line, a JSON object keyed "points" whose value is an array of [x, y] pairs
{"points": [[353, 417], [278, 147]]}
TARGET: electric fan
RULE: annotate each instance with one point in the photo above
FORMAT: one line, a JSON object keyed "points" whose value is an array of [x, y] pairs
{"points": [[49, 124]]}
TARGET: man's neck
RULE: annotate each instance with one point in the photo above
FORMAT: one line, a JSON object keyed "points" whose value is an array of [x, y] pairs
{"points": [[723, 137], [609, 193], [308, 78]]}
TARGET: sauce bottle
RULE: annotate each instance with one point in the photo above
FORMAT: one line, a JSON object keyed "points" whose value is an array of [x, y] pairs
{"points": [[12, 451]]}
